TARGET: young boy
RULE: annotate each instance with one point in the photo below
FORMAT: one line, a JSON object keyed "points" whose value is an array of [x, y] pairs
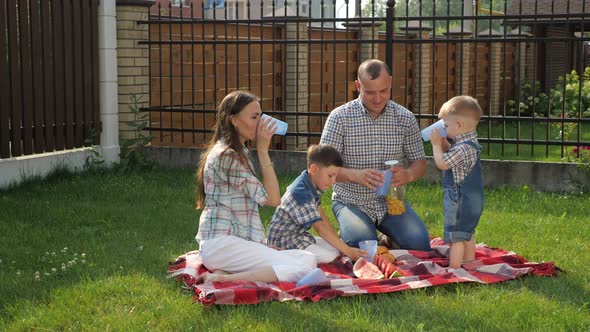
{"points": [[462, 180], [300, 209]]}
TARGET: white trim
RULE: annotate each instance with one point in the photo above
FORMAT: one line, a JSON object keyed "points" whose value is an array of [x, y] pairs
{"points": [[16, 169]]}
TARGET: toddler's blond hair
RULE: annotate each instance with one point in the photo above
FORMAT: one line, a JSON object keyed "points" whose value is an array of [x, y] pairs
{"points": [[463, 106]]}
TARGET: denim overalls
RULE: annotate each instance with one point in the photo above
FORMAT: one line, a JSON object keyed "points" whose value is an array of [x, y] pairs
{"points": [[463, 203]]}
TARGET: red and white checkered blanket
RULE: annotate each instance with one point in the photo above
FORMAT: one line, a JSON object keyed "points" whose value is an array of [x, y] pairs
{"points": [[420, 269]]}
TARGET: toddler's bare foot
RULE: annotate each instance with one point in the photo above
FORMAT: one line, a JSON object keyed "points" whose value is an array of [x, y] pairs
{"points": [[472, 265]]}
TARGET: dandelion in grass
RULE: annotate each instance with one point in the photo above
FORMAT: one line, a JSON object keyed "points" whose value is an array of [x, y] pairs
{"points": [[63, 266], [18, 273], [47, 274], [83, 261], [53, 270], [83, 255], [37, 276]]}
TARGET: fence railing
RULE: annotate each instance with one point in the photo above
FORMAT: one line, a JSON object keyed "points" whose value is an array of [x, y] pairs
{"points": [[515, 57], [49, 97]]}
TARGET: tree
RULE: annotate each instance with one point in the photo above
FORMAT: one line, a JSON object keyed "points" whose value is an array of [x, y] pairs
{"points": [[438, 8]]}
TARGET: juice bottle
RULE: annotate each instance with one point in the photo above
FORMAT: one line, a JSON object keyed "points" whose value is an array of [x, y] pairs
{"points": [[395, 195]]}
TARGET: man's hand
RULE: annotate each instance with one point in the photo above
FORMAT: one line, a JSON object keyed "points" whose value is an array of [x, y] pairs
{"points": [[401, 176], [369, 178]]}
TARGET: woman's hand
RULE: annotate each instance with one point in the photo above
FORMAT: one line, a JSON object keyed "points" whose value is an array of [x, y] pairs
{"points": [[354, 253], [266, 128]]}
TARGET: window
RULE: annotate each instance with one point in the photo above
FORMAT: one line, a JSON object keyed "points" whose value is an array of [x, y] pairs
{"points": [[176, 3]]}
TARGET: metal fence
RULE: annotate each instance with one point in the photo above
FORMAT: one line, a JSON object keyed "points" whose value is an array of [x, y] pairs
{"points": [[49, 97], [516, 57]]}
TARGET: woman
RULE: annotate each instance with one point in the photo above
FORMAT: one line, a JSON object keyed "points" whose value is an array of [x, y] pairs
{"points": [[231, 236]]}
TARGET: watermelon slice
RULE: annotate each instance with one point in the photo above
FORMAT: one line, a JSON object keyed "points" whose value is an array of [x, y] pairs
{"points": [[384, 266], [364, 269]]}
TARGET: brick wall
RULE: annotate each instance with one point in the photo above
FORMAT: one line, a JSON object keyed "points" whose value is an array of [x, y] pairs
{"points": [[132, 64]]}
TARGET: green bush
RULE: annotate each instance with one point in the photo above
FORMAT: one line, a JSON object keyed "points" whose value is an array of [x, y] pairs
{"points": [[566, 99], [531, 99]]}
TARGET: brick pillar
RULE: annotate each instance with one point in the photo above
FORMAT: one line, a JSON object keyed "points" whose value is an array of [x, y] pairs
{"points": [[462, 57], [132, 60], [296, 79], [367, 33], [423, 79], [495, 71], [525, 59], [520, 64]]}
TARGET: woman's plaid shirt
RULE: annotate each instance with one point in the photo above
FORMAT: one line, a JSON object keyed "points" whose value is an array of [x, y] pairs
{"points": [[365, 142], [232, 196]]}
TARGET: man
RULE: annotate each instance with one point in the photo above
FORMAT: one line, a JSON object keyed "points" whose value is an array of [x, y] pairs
{"points": [[367, 132]]}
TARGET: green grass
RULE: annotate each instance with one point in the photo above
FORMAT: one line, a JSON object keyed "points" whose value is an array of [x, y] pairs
{"points": [[130, 225]]}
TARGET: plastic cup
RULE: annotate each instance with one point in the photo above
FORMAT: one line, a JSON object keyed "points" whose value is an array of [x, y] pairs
{"points": [[313, 277], [382, 189], [440, 125], [370, 246], [281, 126]]}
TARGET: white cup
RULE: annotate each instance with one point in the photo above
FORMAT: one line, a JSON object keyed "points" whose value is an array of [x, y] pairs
{"points": [[315, 276], [440, 125], [281, 126]]}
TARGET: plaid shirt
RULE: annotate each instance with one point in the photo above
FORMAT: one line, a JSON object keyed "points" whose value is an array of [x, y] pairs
{"points": [[299, 209], [461, 158], [232, 196], [365, 142]]}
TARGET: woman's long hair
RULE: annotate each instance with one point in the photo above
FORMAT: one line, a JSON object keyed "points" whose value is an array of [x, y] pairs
{"points": [[225, 131]]}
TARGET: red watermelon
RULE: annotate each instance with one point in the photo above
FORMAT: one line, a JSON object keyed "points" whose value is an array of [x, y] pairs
{"points": [[363, 269]]}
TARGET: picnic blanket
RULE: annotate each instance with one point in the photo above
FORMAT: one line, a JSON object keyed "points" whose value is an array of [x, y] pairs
{"points": [[420, 269]]}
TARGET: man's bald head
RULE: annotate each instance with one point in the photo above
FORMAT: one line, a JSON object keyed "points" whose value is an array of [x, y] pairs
{"points": [[371, 69]]}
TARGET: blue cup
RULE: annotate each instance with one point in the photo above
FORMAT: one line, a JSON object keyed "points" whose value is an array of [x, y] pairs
{"points": [[281, 126], [370, 246], [440, 125], [313, 277], [382, 189]]}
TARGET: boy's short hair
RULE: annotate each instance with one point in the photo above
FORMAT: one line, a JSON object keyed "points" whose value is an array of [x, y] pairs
{"points": [[323, 155], [466, 106]]}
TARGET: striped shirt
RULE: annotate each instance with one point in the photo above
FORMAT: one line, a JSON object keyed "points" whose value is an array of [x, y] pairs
{"points": [[365, 142], [461, 158], [232, 196], [299, 209]]}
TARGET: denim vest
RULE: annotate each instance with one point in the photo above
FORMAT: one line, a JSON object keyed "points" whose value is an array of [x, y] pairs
{"points": [[463, 202]]}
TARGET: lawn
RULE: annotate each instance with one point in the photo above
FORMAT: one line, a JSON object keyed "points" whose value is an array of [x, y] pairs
{"points": [[114, 234]]}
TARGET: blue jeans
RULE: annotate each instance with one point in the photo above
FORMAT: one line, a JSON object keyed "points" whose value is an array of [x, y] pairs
{"points": [[407, 230]]}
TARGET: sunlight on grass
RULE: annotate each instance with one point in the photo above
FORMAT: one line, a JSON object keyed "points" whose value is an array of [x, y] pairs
{"points": [[128, 226]]}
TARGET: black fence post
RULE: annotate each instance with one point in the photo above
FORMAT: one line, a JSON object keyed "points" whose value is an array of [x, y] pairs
{"points": [[389, 33]]}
